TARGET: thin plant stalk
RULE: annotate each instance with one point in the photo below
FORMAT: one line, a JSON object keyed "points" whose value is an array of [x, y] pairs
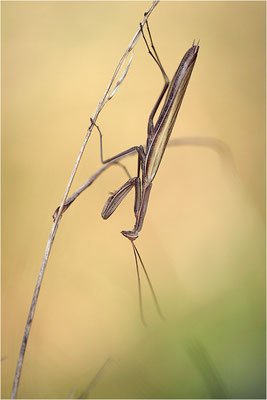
{"points": [[109, 93]]}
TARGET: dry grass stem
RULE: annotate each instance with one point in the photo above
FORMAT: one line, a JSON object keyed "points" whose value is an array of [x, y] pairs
{"points": [[112, 88]]}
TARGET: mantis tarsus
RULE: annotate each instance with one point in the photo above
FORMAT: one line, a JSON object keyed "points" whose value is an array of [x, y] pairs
{"points": [[149, 159]]}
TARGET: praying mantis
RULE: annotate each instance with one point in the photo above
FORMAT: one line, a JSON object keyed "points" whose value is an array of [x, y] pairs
{"points": [[150, 157]]}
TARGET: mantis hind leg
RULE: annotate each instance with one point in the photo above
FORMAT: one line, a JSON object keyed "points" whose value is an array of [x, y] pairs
{"points": [[155, 55], [150, 127]]}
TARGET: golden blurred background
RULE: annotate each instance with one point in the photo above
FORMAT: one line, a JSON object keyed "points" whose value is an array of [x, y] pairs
{"points": [[203, 240]]}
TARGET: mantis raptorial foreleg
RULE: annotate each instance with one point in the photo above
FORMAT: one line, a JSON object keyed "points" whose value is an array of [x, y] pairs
{"points": [[116, 197]]}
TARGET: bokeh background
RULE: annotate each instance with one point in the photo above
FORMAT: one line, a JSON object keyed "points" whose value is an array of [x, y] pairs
{"points": [[203, 241]]}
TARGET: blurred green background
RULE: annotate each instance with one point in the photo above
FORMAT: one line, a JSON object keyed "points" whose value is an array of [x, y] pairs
{"points": [[203, 240]]}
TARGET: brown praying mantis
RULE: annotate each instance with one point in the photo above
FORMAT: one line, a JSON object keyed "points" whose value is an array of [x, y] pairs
{"points": [[149, 158]]}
